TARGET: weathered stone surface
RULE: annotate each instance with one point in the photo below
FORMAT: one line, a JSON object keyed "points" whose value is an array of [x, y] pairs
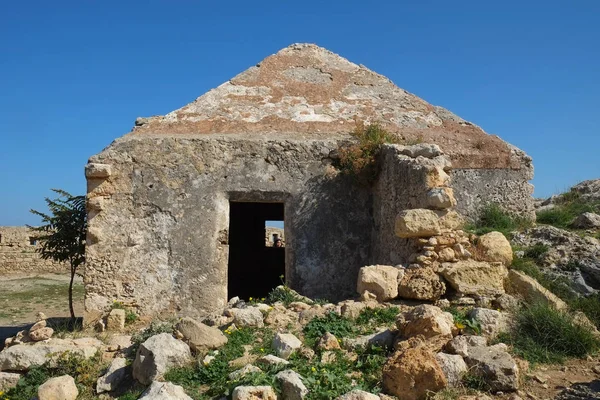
{"points": [[421, 284], [59, 388], [381, 280], [164, 391], [117, 372], [254, 393], [470, 277], [357, 394], [21, 357], [249, 316], [413, 374], [352, 309], [417, 223], [461, 344], [245, 370], [532, 291], [506, 302], [38, 325], [496, 366], [41, 334], [156, 355], [454, 367], [587, 220], [492, 322], [328, 342], [495, 247], [270, 360], [97, 171], [116, 320], [426, 320], [201, 337], [8, 380], [441, 198], [292, 387], [285, 344], [18, 256], [383, 339]]}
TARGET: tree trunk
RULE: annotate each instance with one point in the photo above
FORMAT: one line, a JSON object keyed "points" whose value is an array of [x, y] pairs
{"points": [[71, 295]]}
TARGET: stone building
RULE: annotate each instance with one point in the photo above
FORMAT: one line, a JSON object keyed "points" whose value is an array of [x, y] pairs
{"points": [[18, 254], [177, 207]]}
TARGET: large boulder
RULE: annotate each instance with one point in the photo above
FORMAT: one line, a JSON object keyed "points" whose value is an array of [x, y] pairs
{"points": [[116, 374], [58, 388], [21, 357], [249, 316], [532, 291], [292, 387], [470, 277], [421, 284], [381, 280], [254, 393], [495, 247], [417, 223], [413, 374], [201, 337], [158, 354], [426, 320], [164, 391], [495, 366]]}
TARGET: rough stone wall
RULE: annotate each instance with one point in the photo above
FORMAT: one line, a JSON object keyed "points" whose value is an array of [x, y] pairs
{"points": [[19, 257], [158, 211], [270, 231]]}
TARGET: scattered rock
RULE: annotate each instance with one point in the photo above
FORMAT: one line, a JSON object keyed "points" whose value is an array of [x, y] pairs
{"points": [[421, 284], [441, 198], [328, 342], [254, 393], [426, 320], [201, 337], [506, 302], [8, 380], [59, 388], [412, 374], [454, 367], [285, 344], [37, 325], [240, 373], [384, 339], [156, 355], [495, 366], [461, 344], [352, 309], [492, 322], [164, 391], [117, 372], [41, 334], [587, 220], [494, 247], [270, 359], [417, 223], [381, 280], [470, 277], [249, 316], [357, 394], [292, 387], [116, 320]]}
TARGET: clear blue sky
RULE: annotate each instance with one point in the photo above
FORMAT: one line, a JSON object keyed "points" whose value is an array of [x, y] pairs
{"points": [[76, 74]]}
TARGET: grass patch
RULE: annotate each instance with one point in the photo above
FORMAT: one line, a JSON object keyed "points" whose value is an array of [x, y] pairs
{"points": [[331, 322], [378, 316], [494, 218], [360, 158], [544, 335], [282, 294], [568, 206]]}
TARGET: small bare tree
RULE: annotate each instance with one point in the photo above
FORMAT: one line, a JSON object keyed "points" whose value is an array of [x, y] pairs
{"points": [[62, 233]]}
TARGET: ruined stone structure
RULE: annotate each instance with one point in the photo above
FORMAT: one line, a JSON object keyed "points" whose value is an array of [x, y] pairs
{"points": [[18, 254], [271, 233], [177, 207]]}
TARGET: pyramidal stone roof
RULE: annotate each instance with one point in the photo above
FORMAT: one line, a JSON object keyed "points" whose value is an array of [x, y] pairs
{"points": [[305, 90]]}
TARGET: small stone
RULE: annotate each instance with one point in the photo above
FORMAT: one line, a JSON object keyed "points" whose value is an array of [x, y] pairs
{"points": [[381, 280], [59, 388], [37, 325], [248, 317], [158, 354], [240, 373], [41, 334], [270, 360], [285, 344], [100, 326], [292, 387], [199, 336], [8, 380], [254, 393], [328, 342], [40, 316]]}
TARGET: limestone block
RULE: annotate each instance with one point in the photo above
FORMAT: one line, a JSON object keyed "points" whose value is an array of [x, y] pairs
{"points": [[59, 388], [454, 367], [249, 316], [285, 344], [164, 391], [270, 360], [381, 280], [587, 220], [417, 223], [475, 277], [115, 375], [158, 354], [426, 320], [441, 198], [245, 370], [421, 284], [292, 387], [254, 393], [8, 380], [426, 150], [496, 366], [531, 290], [328, 342], [461, 344], [116, 320], [494, 247], [97, 171], [199, 336], [357, 394], [383, 339], [41, 334], [492, 322]]}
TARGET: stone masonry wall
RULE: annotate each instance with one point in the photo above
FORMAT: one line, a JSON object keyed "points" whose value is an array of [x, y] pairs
{"points": [[18, 255]]}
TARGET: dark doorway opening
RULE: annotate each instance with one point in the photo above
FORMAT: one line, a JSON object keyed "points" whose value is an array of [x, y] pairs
{"points": [[254, 269]]}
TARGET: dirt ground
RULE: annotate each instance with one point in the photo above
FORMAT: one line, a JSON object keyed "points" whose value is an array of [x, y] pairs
{"points": [[22, 297]]}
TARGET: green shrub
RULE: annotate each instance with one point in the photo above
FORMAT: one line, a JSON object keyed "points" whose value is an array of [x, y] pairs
{"points": [[331, 322], [542, 334], [568, 207], [536, 251], [282, 294], [494, 218], [130, 315], [360, 158], [463, 322]]}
